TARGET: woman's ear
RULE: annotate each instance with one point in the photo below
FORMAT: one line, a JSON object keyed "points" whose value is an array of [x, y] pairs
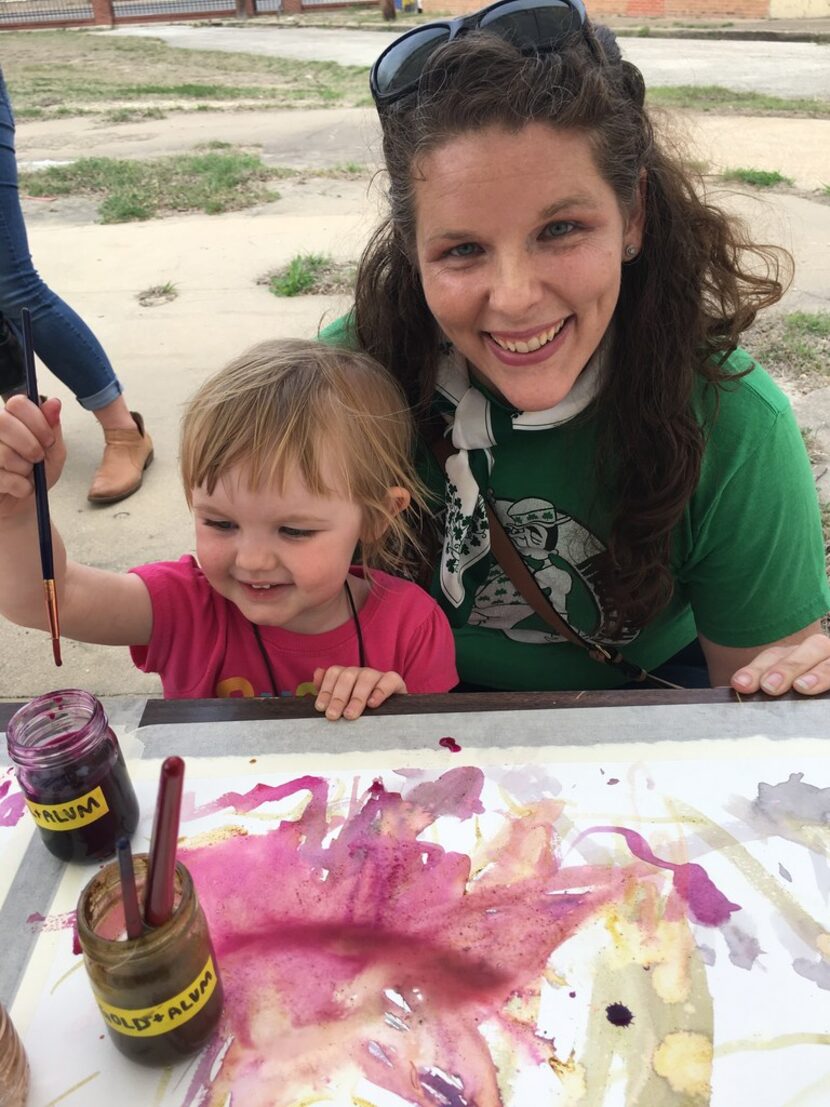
{"points": [[635, 224]]}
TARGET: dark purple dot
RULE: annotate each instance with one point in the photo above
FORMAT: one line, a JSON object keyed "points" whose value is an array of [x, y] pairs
{"points": [[619, 1015], [572, 995], [613, 780]]}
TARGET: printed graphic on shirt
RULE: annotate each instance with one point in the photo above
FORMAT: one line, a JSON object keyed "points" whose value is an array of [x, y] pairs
{"points": [[239, 687], [563, 556]]}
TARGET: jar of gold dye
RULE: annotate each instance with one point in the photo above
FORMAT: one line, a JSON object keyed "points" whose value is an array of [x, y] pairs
{"points": [[160, 994], [14, 1068]]}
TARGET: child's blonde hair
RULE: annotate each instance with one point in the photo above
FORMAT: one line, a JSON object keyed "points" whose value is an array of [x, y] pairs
{"points": [[293, 404]]}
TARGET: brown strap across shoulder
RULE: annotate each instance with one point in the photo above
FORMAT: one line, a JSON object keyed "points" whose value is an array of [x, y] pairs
{"points": [[528, 588]]}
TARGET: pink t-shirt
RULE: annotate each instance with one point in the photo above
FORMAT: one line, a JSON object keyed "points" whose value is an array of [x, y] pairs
{"points": [[202, 645]]}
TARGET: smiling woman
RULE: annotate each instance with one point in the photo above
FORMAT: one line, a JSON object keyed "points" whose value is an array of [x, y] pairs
{"points": [[563, 308]]}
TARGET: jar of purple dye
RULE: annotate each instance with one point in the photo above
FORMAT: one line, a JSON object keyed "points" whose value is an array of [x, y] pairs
{"points": [[72, 774]]}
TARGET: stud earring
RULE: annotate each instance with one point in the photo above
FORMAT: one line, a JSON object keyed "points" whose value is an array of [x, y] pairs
{"points": [[630, 252]]}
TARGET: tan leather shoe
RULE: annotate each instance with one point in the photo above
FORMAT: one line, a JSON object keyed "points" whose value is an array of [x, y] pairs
{"points": [[127, 453]]}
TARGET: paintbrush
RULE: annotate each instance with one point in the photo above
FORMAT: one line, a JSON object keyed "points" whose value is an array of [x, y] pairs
{"points": [[44, 526], [161, 865], [132, 912]]}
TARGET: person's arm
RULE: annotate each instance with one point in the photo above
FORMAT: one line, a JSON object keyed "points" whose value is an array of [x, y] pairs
{"points": [[95, 605], [801, 661]]}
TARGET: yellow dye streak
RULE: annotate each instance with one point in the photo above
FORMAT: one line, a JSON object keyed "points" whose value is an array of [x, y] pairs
{"points": [[66, 975], [806, 1097], [721, 840], [571, 1077], [163, 1085], [783, 1041], [213, 837], [74, 1088]]}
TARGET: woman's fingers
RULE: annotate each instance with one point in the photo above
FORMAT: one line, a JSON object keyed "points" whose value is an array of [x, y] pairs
{"points": [[804, 667]]}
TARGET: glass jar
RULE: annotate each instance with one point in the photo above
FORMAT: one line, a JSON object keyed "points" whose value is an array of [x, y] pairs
{"points": [[14, 1068], [161, 995], [72, 774]]}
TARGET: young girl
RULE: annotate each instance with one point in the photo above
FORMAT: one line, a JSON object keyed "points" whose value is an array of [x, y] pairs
{"points": [[292, 457]]}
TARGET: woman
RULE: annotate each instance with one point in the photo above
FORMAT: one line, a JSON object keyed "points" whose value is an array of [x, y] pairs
{"points": [[63, 340], [559, 302]]}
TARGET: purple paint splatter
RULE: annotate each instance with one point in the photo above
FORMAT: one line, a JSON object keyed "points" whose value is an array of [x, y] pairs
{"points": [[707, 904]]}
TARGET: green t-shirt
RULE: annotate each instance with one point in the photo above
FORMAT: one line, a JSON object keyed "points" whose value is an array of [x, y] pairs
{"points": [[747, 556]]}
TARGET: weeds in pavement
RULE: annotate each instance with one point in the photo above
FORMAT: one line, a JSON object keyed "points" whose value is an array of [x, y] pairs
{"points": [[53, 73], [794, 348], [211, 182], [758, 178], [158, 294], [311, 273], [133, 115], [715, 98]]}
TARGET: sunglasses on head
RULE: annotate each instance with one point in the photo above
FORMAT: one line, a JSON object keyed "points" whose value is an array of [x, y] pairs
{"points": [[531, 25]]}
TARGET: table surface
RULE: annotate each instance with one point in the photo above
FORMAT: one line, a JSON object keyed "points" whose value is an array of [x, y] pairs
{"points": [[251, 727]]}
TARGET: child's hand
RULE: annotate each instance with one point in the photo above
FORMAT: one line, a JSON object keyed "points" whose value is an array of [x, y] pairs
{"points": [[28, 434], [347, 691]]}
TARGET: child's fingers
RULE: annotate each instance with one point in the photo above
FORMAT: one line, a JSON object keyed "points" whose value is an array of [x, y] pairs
{"points": [[328, 684], [17, 486], [390, 684], [29, 434], [371, 689], [30, 429]]}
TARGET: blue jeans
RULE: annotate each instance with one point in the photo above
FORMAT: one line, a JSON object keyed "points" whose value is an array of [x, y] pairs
{"points": [[62, 340]]}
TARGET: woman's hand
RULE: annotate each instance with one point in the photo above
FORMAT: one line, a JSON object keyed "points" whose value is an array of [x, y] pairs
{"points": [[347, 691], [804, 667], [28, 434]]}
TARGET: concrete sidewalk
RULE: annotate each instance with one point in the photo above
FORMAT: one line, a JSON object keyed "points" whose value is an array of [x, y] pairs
{"points": [[162, 353]]}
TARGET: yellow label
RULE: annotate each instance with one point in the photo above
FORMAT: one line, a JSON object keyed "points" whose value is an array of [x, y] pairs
{"points": [[69, 816], [149, 1022]]}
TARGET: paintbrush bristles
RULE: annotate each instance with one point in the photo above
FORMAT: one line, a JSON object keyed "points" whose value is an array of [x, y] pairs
{"points": [[54, 619]]}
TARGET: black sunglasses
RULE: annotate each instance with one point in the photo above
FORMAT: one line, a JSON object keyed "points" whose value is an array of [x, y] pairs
{"points": [[529, 24]]}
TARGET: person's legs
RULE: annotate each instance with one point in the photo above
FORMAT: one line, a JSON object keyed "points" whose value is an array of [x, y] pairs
{"points": [[62, 339]]}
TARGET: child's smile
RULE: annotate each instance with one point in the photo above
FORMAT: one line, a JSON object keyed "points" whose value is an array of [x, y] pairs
{"points": [[280, 555]]}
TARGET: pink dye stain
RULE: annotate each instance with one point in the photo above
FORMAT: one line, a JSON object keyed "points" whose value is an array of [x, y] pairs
{"points": [[707, 904], [348, 946], [450, 744], [11, 806]]}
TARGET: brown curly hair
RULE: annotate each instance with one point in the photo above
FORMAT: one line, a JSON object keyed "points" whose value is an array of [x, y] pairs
{"points": [[697, 284]]}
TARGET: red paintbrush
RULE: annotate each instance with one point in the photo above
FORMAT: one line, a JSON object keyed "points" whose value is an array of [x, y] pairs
{"points": [[161, 865]]}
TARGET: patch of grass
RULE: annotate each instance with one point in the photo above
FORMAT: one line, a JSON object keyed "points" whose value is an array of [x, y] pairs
{"points": [[759, 178], [349, 169], [158, 294], [727, 100], [808, 323], [643, 32], [131, 115], [311, 273], [811, 444], [794, 348], [211, 182], [300, 275], [70, 72]]}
